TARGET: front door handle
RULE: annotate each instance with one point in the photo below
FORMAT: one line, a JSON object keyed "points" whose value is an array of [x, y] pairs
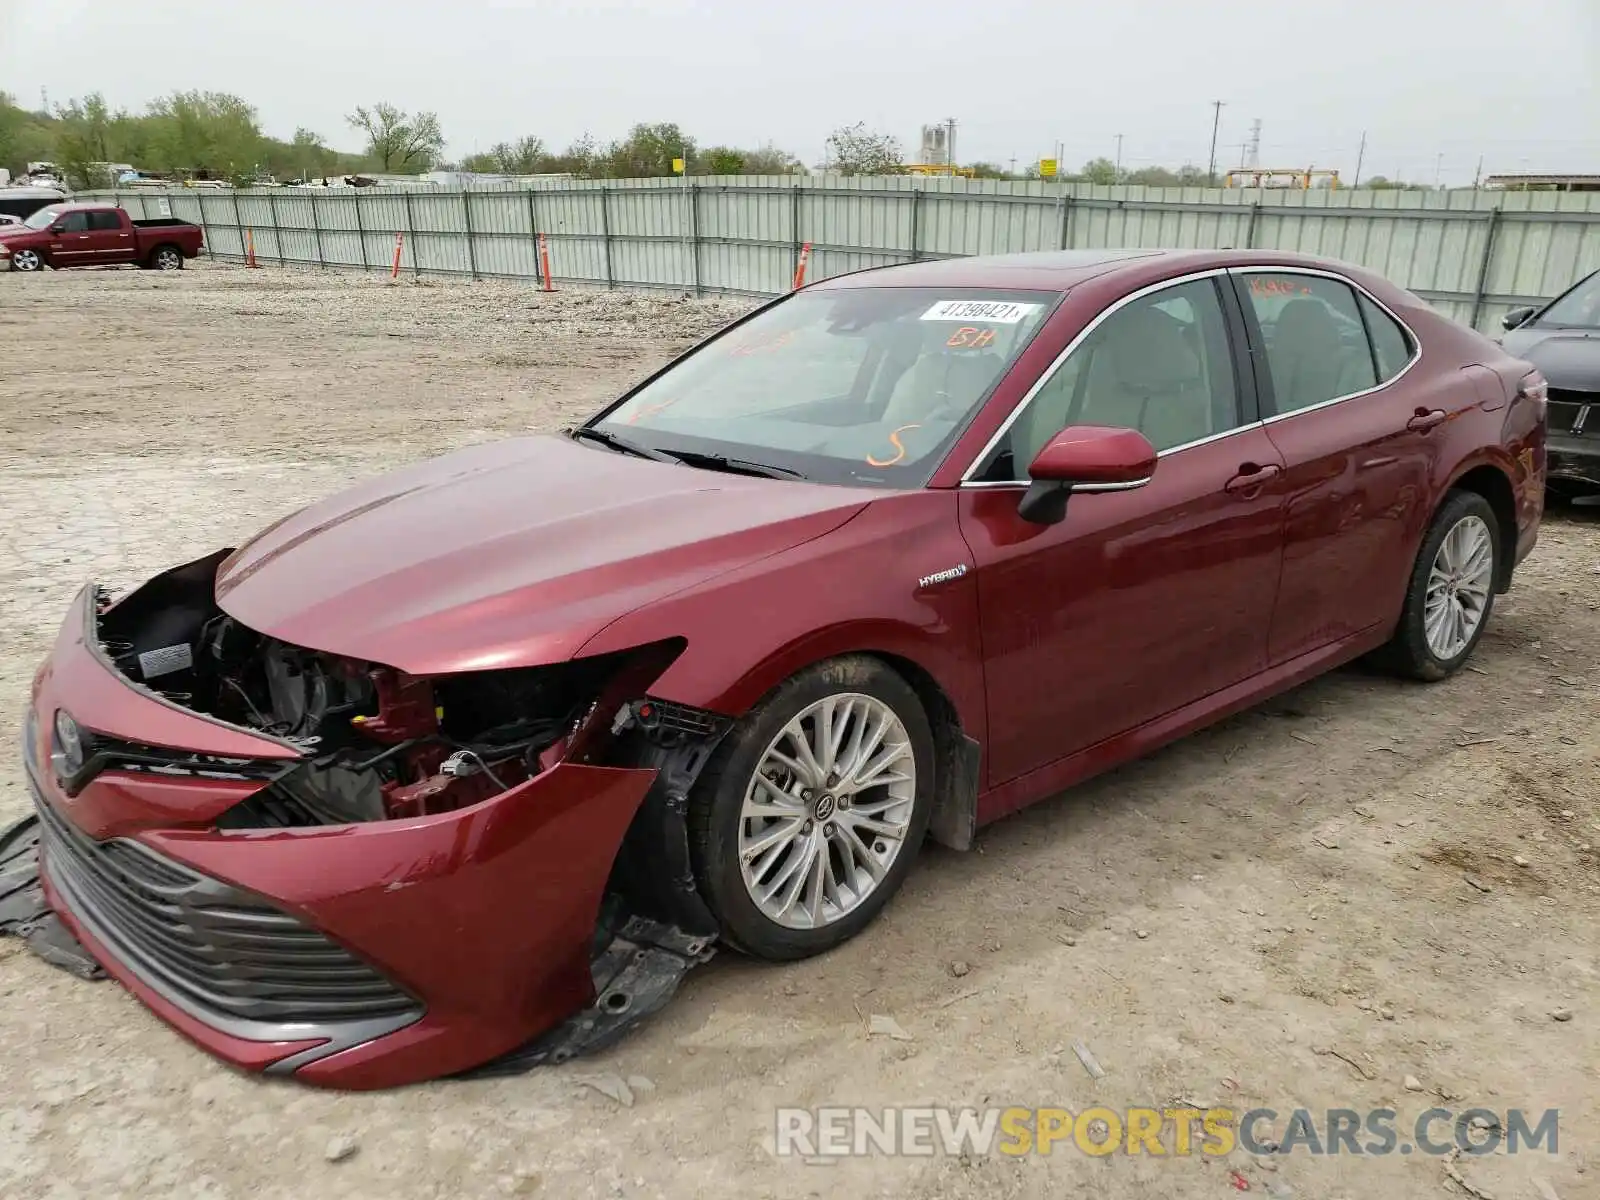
{"points": [[1426, 418], [1252, 477]]}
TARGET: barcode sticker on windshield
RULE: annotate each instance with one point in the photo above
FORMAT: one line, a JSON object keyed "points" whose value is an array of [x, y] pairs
{"points": [[994, 312]]}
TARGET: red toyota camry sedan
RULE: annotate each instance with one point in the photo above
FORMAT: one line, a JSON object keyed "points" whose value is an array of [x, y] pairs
{"points": [[466, 767]]}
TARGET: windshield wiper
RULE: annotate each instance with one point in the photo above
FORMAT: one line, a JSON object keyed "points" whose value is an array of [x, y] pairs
{"points": [[735, 466], [623, 445]]}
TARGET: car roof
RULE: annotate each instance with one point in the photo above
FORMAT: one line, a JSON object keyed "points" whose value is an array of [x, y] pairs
{"points": [[1059, 270]]}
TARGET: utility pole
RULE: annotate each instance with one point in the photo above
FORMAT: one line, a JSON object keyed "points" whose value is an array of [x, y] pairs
{"points": [[1216, 123], [1438, 170], [1061, 187], [1116, 175], [1361, 155], [950, 144], [1477, 176]]}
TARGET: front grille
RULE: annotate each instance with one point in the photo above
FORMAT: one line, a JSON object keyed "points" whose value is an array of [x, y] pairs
{"points": [[1574, 414], [221, 954]]}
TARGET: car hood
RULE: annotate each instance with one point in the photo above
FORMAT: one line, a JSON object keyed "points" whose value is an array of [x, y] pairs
{"points": [[509, 554], [1568, 358], [11, 232]]}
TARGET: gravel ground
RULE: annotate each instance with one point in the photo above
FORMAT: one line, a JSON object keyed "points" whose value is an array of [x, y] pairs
{"points": [[1273, 913]]}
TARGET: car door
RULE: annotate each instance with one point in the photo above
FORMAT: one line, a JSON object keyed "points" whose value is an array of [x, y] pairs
{"points": [[70, 240], [1357, 430], [111, 237], [1142, 600]]}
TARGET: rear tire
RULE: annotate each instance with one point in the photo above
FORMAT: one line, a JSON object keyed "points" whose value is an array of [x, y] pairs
{"points": [[166, 258], [1450, 597], [794, 860]]}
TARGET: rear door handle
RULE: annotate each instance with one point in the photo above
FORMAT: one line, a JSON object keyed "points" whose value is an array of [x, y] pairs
{"points": [[1252, 477], [1426, 418]]}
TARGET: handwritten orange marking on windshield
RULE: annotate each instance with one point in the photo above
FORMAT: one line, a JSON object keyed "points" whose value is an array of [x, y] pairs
{"points": [[970, 337], [649, 410], [900, 450], [763, 347]]}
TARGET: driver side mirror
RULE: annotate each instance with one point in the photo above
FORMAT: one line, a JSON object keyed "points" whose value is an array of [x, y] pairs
{"points": [[1516, 317], [1084, 458], [58, 228]]}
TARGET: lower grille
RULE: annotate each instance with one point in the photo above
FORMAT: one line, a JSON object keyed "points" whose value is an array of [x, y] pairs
{"points": [[1575, 414], [225, 956]]}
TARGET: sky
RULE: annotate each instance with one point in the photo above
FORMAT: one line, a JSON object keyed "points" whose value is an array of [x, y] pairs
{"points": [[1434, 85]]}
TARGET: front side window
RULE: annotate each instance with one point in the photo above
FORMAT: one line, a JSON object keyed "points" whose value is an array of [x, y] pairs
{"points": [[1578, 309], [854, 385], [74, 222], [1317, 347], [1159, 364]]}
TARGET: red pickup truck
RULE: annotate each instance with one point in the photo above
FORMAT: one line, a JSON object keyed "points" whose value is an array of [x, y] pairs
{"points": [[91, 235]]}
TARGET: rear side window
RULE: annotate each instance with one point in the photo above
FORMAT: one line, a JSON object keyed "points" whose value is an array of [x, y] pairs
{"points": [[1391, 348], [103, 221], [1317, 347]]}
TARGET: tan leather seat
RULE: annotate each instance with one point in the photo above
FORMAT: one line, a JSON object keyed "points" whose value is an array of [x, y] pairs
{"points": [[941, 381], [1309, 359]]}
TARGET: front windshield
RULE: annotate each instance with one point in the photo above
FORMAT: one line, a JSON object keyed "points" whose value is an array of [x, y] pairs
{"points": [[850, 385], [42, 218], [1579, 308]]}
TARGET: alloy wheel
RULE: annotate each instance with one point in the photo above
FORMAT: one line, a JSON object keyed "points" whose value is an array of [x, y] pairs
{"points": [[25, 260], [168, 260], [1459, 584], [827, 811]]}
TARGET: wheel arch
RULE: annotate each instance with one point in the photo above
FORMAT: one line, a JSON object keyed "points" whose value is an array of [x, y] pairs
{"points": [[1493, 482], [951, 698], [959, 771]]}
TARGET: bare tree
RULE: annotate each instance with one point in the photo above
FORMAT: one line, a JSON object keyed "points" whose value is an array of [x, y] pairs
{"points": [[857, 150], [398, 141], [525, 156]]}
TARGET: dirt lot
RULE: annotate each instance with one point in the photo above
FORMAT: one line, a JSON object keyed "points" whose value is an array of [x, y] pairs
{"points": [[1274, 913]]}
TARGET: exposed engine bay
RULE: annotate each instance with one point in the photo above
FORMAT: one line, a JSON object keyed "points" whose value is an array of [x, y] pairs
{"points": [[380, 744], [374, 744]]}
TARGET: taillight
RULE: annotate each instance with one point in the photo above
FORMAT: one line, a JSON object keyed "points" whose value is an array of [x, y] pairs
{"points": [[1536, 390]]}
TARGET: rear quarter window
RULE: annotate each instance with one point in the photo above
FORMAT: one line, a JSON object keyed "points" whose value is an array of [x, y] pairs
{"points": [[1391, 346]]}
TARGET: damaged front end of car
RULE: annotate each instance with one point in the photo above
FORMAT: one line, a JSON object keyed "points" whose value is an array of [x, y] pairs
{"points": [[384, 876]]}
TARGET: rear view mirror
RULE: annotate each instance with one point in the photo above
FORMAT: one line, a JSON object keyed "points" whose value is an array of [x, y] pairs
{"points": [[1085, 457], [1517, 316]]}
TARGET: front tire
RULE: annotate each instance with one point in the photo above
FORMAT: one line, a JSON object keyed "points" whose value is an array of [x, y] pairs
{"points": [[810, 816], [26, 261], [1451, 593]]}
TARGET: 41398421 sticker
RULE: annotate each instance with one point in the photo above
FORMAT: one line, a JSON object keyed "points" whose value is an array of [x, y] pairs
{"points": [[990, 312]]}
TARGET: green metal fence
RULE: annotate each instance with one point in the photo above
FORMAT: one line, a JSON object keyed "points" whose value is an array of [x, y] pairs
{"points": [[1471, 254]]}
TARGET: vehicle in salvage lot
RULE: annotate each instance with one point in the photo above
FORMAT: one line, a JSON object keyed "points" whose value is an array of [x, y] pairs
{"points": [[465, 768], [1562, 339], [97, 235]]}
